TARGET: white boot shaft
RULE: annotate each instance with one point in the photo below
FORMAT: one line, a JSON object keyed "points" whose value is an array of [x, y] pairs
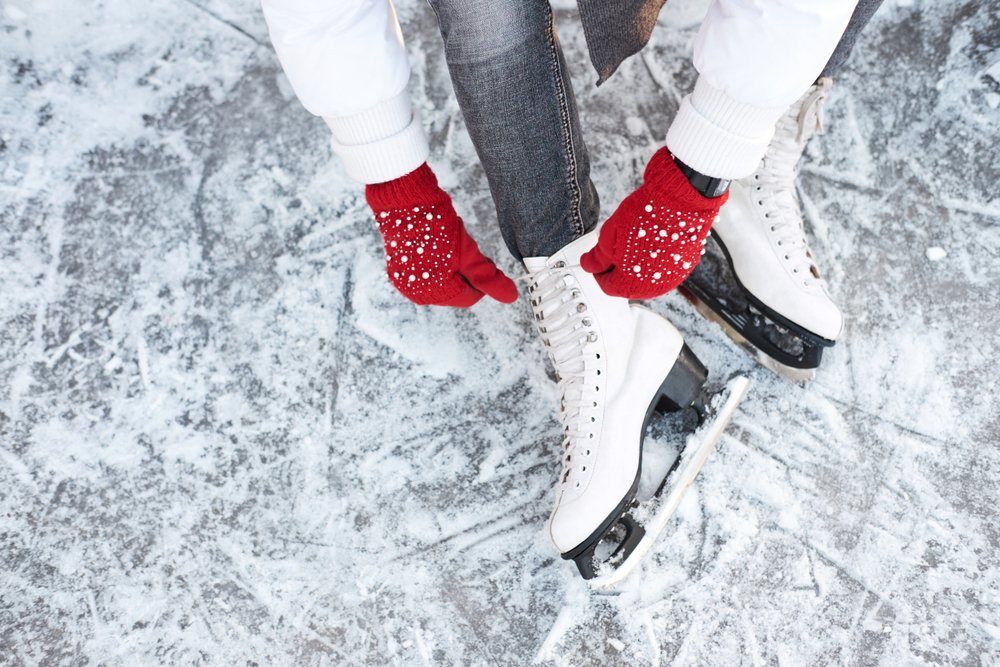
{"points": [[610, 359], [761, 227]]}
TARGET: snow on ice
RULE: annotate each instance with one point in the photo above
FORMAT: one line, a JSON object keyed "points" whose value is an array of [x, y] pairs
{"points": [[225, 439]]}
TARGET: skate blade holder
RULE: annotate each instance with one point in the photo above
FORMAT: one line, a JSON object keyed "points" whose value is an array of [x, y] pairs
{"points": [[776, 343], [764, 338], [638, 541], [612, 548]]}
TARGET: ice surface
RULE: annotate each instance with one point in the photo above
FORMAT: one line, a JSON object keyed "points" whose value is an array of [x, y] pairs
{"points": [[225, 439]]}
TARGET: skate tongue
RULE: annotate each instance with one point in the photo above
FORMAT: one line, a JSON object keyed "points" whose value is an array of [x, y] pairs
{"points": [[570, 253], [533, 264]]}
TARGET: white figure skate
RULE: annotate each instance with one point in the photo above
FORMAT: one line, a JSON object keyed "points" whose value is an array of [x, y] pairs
{"points": [[758, 278], [616, 363]]}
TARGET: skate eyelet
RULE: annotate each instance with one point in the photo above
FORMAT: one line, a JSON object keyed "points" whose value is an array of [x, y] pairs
{"points": [[760, 202], [598, 355], [584, 469], [592, 337], [560, 264], [581, 307], [598, 371], [772, 228], [588, 452], [591, 437]]}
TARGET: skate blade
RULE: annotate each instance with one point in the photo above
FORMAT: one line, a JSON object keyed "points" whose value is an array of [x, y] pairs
{"points": [[692, 461], [799, 375]]}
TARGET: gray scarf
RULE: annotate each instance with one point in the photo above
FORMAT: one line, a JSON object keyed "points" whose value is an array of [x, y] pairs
{"points": [[616, 29]]}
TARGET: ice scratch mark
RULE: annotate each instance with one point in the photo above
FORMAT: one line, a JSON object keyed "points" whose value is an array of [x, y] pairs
{"points": [[654, 645], [57, 353], [575, 603], [313, 462], [882, 418], [859, 613], [21, 472], [661, 78], [199, 215], [30, 181], [126, 173], [328, 414], [227, 22], [425, 653], [477, 533], [562, 624], [837, 565], [343, 322], [55, 238], [987, 209], [92, 606], [142, 360], [820, 229], [812, 574], [753, 647], [856, 181]]}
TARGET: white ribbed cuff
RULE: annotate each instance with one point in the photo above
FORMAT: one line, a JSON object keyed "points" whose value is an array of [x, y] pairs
{"points": [[382, 143], [381, 121], [719, 136]]}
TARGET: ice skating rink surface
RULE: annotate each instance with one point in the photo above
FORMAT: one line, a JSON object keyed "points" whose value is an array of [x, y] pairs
{"points": [[225, 440]]}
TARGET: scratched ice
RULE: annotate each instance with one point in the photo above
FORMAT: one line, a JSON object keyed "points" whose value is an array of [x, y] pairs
{"points": [[225, 439]]}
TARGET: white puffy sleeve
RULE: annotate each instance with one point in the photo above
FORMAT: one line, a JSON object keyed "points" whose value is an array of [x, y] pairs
{"points": [[754, 59], [346, 62]]}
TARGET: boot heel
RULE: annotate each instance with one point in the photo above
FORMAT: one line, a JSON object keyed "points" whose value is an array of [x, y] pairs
{"points": [[683, 385]]}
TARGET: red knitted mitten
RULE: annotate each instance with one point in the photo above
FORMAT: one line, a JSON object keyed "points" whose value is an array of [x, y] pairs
{"points": [[653, 241], [430, 258]]}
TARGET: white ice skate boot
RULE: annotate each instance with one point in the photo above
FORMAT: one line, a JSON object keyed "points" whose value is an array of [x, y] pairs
{"points": [[764, 286], [614, 362]]}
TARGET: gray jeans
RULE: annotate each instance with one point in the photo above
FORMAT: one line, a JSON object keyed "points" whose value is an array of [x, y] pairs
{"points": [[514, 90]]}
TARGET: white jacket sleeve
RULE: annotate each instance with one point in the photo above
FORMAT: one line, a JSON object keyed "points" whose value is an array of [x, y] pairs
{"points": [[346, 62], [754, 59]]}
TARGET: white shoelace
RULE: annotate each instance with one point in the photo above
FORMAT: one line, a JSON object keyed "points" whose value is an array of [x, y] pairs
{"points": [[562, 321], [775, 181]]}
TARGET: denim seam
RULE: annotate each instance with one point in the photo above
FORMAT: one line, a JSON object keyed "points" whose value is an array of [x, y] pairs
{"points": [[567, 127]]}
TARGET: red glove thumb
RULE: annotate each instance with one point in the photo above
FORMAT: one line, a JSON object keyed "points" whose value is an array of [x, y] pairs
{"points": [[599, 258], [481, 272]]}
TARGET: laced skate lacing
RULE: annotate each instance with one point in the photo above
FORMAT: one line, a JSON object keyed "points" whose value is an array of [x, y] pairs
{"points": [[562, 322], [774, 181]]}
